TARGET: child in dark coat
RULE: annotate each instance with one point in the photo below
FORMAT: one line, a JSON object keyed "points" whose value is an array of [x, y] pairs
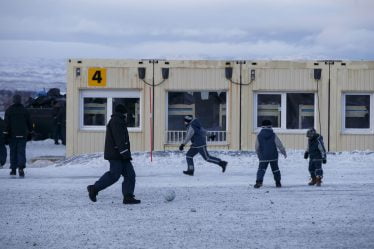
{"points": [[317, 155], [267, 146]]}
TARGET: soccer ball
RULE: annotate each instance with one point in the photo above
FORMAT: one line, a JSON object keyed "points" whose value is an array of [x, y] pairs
{"points": [[169, 195]]}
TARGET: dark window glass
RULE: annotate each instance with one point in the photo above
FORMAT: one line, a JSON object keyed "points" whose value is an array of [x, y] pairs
{"points": [[133, 110], [300, 110], [357, 111], [208, 107], [269, 108], [94, 111]]}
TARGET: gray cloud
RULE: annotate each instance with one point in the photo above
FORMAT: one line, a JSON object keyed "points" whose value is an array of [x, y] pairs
{"points": [[271, 29]]}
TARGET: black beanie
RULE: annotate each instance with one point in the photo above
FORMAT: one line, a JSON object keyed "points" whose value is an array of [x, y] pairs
{"points": [[120, 109], [266, 122], [17, 99], [188, 118]]}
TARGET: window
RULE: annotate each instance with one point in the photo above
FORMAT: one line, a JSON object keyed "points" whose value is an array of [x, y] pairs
{"points": [[98, 105], [94, 111], [208, 106], [357, 112], [288, 111]]}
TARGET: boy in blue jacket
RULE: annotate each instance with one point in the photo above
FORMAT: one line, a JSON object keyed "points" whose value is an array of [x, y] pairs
{"points": [[317, 155], [267, 146], [197, 135]]}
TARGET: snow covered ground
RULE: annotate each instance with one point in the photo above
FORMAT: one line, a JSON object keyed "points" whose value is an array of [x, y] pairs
{"points": [[50, 207]]}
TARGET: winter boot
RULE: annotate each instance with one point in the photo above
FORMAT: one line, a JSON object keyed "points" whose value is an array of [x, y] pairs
{"points": [[92, 193], [129, 199], [13, 172], [318, 181], [188, 172], [21, 173], [278, 184], [313, 181], [258, 184], [223, 165]]}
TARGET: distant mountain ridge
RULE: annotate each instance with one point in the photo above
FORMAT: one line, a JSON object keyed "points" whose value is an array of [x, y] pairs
{"points": [[32, 74]]}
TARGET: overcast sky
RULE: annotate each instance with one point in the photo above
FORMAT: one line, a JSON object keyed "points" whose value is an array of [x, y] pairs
{"points": [[188, 29]]}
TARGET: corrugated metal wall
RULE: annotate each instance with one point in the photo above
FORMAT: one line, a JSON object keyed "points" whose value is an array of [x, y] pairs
{"points": [[276, 76]]}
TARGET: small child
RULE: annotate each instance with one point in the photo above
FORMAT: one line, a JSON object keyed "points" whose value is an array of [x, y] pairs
{"points": [[267, 146], [317, 155]]}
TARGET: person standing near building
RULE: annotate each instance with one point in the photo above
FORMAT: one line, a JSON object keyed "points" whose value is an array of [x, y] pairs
{"points": [[59, 122], [117, 152], [316, 153], [3, 142], [267, 146], [18, 128], [197, 135]]}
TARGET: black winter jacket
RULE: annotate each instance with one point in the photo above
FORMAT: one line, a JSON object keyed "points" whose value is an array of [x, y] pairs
{"points": [[117, 143], [17, 121]]}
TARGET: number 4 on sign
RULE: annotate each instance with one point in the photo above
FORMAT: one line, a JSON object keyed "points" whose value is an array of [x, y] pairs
{"points": [[97, 77]]}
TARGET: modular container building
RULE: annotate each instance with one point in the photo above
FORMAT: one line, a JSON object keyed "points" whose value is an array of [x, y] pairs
{"points": [[231, 98]]}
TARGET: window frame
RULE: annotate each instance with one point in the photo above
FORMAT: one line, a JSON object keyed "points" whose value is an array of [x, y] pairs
{"points": [[283, 127], [109, 95], [364, 131]]}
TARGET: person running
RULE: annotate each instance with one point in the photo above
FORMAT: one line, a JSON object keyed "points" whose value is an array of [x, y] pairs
{"points": [[197, 135]]}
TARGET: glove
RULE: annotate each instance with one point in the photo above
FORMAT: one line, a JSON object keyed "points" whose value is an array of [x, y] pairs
{"points": [[306, 155], [181, 147], [324, 161], [212, 137]]}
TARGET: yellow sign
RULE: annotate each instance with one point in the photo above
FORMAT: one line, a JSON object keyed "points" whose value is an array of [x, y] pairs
{"points": [[97, 76]]}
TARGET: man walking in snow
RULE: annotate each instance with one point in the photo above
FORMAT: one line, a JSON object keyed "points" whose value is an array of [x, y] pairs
{"points": [[317, 155], [197, 135], [17, 129], [117, 152], [267, 146]]}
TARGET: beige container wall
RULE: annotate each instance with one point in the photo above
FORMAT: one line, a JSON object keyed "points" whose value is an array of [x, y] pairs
{"points": [[120, 75], [271, 76], [187, 76], [281, 77], [354, 77]]}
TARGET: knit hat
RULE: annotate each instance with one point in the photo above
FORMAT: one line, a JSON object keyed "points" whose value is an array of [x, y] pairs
{"points": [[188, 118], [311, 132], [120, 109], [266, 122]]}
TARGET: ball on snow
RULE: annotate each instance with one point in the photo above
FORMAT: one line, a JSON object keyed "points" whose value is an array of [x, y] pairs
{"points": [[169, 195]]}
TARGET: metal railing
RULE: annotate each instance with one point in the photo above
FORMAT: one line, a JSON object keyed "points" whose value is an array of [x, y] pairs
{"points": [[177, 137]]}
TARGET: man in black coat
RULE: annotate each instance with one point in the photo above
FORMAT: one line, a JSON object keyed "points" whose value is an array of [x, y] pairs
{"points": [[18, 129], [117, 152], [3, 152]]}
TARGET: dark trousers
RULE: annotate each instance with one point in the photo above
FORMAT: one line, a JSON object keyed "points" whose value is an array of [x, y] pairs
{"points": [[315, 168], [203, 152], [17, 147], [262, 169], [118, 168], [58, 133], [3, 154]]}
